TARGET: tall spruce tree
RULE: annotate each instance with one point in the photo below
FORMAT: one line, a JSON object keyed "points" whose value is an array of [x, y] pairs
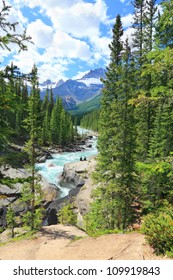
{"points": [[144, 25], [138, 25], [31, 193], [110, 94], [116, 161], [164, 29]]}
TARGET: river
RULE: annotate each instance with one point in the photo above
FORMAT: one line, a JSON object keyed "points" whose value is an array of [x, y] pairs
{"points": [[53, 168]]}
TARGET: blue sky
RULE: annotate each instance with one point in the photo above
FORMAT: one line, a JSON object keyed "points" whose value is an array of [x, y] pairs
{"points": [[70, 36]]}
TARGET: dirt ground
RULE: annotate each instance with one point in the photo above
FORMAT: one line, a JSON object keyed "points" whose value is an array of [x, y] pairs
{"points": [[56, 242]]}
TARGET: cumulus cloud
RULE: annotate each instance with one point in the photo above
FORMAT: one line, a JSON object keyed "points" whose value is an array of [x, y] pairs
{"points": [[42, 34], [79, 19], [53, 71], [128, 34], [127, 20], [26, 60], [74, 33], [64, 45]]}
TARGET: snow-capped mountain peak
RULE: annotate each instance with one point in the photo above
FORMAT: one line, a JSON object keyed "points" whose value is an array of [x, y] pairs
{"points": [[76, 91]]}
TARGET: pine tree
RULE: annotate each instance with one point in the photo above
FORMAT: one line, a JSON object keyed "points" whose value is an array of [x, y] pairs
{"points": [[8, 35], [138, 25], [164, 29], [32, 193], [11, 220], [45, 131], [45, 135], [110, 95], [9, 31], [55, 122], [116, 160], [144, 24], [150, 24]]}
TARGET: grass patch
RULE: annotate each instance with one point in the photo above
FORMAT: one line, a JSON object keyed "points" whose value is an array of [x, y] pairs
{"points": [[19, 236]]}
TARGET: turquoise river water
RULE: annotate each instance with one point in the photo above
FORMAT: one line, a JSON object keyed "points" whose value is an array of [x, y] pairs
{"points": [[53, 168]]}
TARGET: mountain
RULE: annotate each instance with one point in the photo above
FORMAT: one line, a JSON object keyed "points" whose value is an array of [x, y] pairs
{"points": [[74, 92], [97, 73], [87, 106]]}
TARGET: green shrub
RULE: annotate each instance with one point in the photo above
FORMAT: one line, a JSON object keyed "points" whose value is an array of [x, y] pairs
{"points": [[66, 216], [159, 230]]}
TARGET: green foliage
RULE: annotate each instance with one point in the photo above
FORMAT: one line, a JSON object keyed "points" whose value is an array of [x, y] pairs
{"points": [[156, 184], [159, 230], [91, 120], [32, 218], [66, 216], [135, 141], [9, 31], [11, 220], [1, 230], [28, 217], [116, 160], [87, 106], [164, 26]]}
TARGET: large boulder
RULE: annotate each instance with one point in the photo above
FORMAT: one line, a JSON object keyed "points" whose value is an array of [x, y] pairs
{"points": [[78, 175]]}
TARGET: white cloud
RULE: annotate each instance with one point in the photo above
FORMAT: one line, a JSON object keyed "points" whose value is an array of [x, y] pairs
{"points": [[42, 34], [76, 17], [64, 45], [73, 33], [127, 20], [53, 71], [80, 19], [26, 60], [128, 34], [79, 75], [100, 48]]}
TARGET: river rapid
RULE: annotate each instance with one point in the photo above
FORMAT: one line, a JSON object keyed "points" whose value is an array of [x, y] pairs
{"points": [[51, 169]]}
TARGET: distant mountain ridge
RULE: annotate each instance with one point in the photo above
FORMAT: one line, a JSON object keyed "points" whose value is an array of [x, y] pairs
{"points": [[74, 92]]}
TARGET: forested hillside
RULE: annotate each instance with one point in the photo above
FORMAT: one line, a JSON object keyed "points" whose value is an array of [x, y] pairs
{"points": [[91, 120], [136, 130], [26, 124], [54, 124]]}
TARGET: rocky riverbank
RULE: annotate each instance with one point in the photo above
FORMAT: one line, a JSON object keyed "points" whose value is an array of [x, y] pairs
{"points": [[10, 194], [78, 175]]}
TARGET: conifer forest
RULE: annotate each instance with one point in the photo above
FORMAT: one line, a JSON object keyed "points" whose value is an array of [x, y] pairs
{"points": [[134, 171]]}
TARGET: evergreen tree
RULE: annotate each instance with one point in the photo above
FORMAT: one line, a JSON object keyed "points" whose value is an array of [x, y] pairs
{"points": [[150, 22], [109, 95], [91, 120], [45, 136], [144, 24], [33, 191], [55, 122], [8, 35], [164, 28], [9, 31], [116, 160], [11, 220]]}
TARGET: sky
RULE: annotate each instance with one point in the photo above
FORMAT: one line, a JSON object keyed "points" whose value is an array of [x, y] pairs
{"points": [[70, 37]]}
